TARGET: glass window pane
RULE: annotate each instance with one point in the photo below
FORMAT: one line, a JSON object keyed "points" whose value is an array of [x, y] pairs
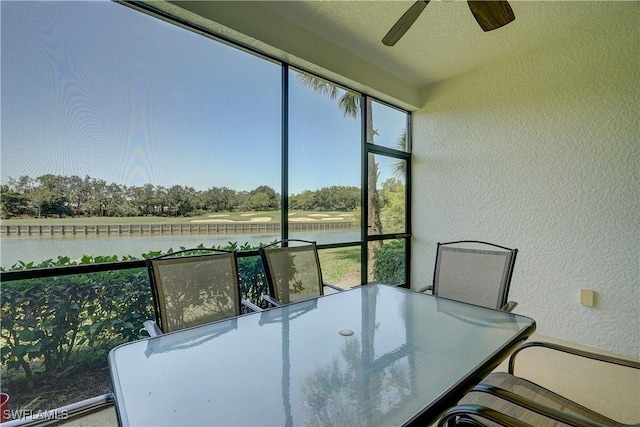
{"points": [[324, 161], [125, 135], [252, 280], [389, 126], [116, 117], [341, 266], [387, 200], [389, 262]]}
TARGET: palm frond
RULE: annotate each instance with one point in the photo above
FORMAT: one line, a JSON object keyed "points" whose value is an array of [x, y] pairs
{"points": [[399, 168], [349, 103], [318, 85]]}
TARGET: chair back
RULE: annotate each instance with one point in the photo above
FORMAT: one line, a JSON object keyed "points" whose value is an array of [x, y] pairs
{"points": [[293, 272], [474, 272], [190, 290]]}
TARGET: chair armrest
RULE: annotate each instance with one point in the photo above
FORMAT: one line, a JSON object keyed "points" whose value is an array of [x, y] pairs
{"points": [[337, 288], [573, 351], [152, 328], [532, 405], [425, 288], [509, 306], [251, 306], [480, 411], [271, 300]]}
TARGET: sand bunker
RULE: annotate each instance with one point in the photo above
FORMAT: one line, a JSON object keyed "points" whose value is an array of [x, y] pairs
{"points": [[261, 219], [218, 220], [221, 218]]}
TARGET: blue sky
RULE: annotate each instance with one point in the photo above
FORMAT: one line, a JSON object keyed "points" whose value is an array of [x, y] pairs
{"points": [[98, 89]]}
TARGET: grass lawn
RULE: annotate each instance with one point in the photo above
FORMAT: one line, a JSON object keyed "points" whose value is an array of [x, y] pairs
{"points": [[218, 217], [341, 266]]}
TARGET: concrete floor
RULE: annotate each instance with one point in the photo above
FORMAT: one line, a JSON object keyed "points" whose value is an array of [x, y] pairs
{"points": [[103, 418]]}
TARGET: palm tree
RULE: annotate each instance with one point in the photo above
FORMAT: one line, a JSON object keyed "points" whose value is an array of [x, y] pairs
{"points": [[350, 104]]}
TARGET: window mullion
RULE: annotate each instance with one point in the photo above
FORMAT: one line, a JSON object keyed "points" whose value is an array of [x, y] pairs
{"points": [[284, 182]]}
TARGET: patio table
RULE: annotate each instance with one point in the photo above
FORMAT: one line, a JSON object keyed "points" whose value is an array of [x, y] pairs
{"points": [[373, 355]]}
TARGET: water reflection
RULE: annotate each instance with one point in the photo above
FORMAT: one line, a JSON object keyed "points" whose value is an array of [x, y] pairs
{"points": [[479, 316], [361, 385], [194, 337], [283, 316], [353, 390]]}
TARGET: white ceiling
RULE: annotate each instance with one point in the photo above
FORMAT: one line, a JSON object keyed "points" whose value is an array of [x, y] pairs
{"points": [[444, 42]]}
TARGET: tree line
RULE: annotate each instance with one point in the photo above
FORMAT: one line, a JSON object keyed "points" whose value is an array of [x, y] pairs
{"points": [[71, 196]]}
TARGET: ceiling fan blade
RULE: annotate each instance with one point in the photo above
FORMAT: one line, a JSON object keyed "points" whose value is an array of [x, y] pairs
{"points": [[491, 14], [404, 23]]}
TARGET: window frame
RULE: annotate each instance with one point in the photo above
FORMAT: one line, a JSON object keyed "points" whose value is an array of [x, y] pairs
{"points": [[366, 149]]}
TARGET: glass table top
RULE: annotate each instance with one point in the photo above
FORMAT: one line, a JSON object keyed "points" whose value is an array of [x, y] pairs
{"points": [[374, 355]]}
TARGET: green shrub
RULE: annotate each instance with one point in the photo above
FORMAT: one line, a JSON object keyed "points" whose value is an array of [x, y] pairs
{"points": [[389, 264], [45, 321]]}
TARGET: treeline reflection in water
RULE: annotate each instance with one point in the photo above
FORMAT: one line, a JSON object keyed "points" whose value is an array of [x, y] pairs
{"points": [[40, 248]]}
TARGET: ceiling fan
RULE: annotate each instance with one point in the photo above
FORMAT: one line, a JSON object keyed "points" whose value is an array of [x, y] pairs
{"points": [[489, 14]]}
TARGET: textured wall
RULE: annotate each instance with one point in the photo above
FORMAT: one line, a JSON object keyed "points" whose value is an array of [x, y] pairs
{"points": [[542, 152]]}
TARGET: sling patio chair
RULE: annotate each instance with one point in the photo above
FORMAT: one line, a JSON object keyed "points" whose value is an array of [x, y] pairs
{"points": [[293, 272], [192, 287], [504, 399], [474, 272]]}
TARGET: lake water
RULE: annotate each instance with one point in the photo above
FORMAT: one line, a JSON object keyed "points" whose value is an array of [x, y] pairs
{"points": [[40, 248]]}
